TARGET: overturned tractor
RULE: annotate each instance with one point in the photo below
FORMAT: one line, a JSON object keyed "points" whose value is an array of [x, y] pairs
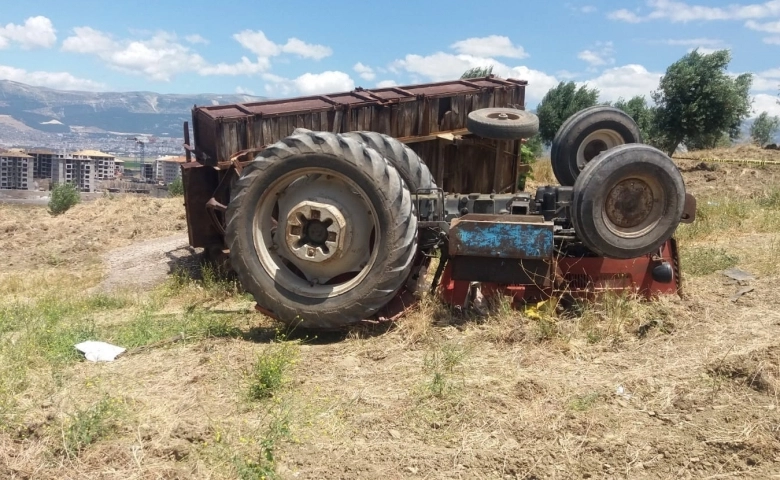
{"points": [[329, 213]]}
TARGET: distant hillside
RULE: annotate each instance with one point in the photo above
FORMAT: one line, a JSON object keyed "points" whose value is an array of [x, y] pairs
{"points": [[59, 111]]}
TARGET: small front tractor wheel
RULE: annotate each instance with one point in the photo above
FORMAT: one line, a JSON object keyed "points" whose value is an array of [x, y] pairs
{"points": [[322, 230], [585, 135], [502, 123], [628, 201]]}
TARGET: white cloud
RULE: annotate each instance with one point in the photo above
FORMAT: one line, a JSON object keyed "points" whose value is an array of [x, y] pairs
{"points": [[626, 82], [325, 82], [772, 40], [88, 40], [704, 50], [442, 66], [257, 43], [244, 91], [766, 81], [692, 42], [37, 32], [160, 57], [195, 38], [491, 46], [601, 54], [624, 15], [308, 84], [306, 50], [58, 80], [366, 72], [763, 102], [244, 67], [769, 27], [682, 12], [386, 84], [588, 9]]}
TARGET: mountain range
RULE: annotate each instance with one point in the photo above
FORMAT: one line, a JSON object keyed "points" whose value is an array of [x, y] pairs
{"points": [[60, 111]]}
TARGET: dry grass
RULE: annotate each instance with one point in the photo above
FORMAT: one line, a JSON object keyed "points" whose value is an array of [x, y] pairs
{"points": [[678, 388]]}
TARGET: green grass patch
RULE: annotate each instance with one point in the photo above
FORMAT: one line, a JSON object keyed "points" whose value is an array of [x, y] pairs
{"points": [[700, 261], [581, 403], [730, 213], [269, 371], [85, 427], [442, 363]]}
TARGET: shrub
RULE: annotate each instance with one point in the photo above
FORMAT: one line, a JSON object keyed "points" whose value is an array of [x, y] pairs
{"points": [[176, 188], [63, 196]]}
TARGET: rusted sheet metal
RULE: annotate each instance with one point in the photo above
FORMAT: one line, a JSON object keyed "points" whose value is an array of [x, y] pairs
{"points": [[200, 182], [501, 236]]}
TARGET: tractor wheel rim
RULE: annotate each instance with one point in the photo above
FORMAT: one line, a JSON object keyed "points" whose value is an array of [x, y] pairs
{"points": [[316, 233], [634, 206], [595, 143]]}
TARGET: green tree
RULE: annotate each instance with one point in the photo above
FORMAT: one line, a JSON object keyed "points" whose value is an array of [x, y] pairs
{"points": [[559, 104], [63, 196], [764, 129], [643, 115], [477, 72], [697, 102]]}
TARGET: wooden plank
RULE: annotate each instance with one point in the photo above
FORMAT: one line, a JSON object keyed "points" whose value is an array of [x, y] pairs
{"points": [[433, 115], [361, 119], [267, 134], [440, 144], [335, 127], [422, 138], [394, 119], [324, 122], [497, 167]]}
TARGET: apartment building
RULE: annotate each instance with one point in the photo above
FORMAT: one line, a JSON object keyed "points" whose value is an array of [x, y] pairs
{"points": [[105, 164], [16, 171], [78, 171], [168, 168], [42, 160]]}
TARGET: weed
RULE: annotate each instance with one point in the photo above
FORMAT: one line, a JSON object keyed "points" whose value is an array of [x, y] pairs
{"points": [[580, 403], [176, 188], [267, 374], [262, 465], [442, 362], [700, 261], [86, 427]]}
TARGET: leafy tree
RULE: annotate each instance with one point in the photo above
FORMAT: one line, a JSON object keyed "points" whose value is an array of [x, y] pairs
{"points": [[477, 72], [643, 115], [764, 128], [63, 196], [698, 102], [559, 104]]}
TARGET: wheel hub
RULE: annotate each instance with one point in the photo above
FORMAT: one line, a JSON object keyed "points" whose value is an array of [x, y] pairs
{"points": [[629, 203], [315, 231], [504, 116]]}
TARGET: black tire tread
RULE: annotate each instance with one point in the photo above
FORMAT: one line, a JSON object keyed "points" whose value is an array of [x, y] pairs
{"points": [[526, 127], [562, 147], [412, 169]]}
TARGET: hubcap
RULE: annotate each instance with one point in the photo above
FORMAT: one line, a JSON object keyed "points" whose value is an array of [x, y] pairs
{"points": [[634, 206], [595, 143], [504, 116], [315, 231]]}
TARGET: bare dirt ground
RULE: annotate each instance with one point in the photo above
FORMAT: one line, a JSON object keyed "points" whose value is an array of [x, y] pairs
{"points": [[681, 388]]}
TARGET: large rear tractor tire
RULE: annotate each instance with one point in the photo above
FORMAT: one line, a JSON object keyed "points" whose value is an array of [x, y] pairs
{"points": [[585, 135], [322, 230], [628, 201]]}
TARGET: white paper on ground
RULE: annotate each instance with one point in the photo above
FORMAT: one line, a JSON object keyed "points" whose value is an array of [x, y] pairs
{"points": [[99, 351]]}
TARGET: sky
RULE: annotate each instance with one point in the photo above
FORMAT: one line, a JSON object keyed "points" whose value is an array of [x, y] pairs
{"points": [[295, 47]]}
